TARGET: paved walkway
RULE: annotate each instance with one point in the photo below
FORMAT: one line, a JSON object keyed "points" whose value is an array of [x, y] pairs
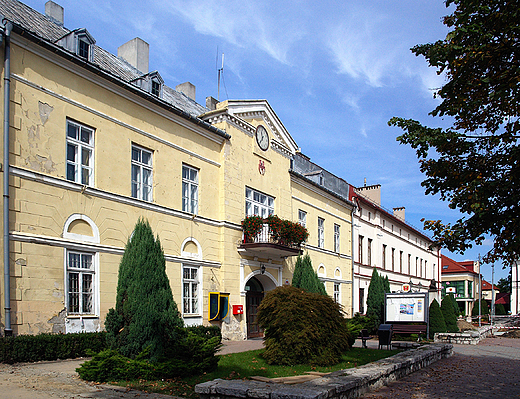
{"points": [[488, 370]]}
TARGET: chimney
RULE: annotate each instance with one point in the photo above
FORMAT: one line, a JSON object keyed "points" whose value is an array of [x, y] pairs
{"points": [[136, 53], [54, 12], [211, 103], [399, 213], [187, 89], [373, 193]]}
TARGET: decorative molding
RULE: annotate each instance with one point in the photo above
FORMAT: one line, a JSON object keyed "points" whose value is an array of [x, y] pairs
{"points": [[92, 247], [326, 251], [68, 185]]}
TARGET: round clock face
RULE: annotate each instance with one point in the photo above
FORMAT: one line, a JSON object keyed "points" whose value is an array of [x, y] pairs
{"points": [[262, 138]]}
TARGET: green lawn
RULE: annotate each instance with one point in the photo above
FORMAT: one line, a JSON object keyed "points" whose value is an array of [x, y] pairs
{"points": [[247, 364]]}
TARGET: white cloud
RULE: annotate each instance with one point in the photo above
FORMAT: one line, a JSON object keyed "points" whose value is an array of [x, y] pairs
{"points": [[364, 47], [241, 23]]}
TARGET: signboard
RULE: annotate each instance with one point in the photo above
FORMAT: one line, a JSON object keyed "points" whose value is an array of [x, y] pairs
{"points": [[411, 307], [406, 287]]}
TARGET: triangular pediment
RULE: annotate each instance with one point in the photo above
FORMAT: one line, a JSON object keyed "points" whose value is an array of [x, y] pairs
{"points": [[249, 110]]}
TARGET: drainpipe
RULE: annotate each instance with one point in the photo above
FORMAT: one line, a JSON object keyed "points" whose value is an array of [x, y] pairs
{"points": [[7, 87], [352, 257]]}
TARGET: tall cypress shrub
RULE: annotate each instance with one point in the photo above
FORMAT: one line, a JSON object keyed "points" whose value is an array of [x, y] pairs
{"points": [[437, 323], [376, 299], [145, 315], [386, 284], [305, 277], [448, 312]]}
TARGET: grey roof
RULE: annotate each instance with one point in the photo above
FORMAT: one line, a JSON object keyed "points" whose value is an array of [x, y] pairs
{"points": [[45, 29]]}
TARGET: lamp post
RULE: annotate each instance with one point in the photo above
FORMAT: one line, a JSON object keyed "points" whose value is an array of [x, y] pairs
{"points": [[492, 293], [479, 293]]}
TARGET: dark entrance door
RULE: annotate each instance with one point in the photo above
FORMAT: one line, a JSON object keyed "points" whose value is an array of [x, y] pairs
{"points": [[254, 295]]}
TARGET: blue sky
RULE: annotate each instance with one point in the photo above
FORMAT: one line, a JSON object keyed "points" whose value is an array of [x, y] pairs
{"points": [[335, 72]]}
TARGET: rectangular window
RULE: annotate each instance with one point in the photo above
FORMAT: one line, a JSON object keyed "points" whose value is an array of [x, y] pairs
{"points": [[336, 293], [190, 290], [420, 269], [258, 204], [393, 259], [362, 300], [400, 261], [83, 49], [360, 249], [369, 252], [156, 88], [142, 177], [80, 153], [425, 269], [409, 264], [302, 218], [336, 238], [416, 266], [80, 280], [321, 233], [384, 256], [190, 189]]}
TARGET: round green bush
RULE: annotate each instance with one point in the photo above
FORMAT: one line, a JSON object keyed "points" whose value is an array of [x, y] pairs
{"points": [[302, 327]]}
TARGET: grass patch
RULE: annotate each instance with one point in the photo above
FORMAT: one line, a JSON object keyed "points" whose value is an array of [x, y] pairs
{"points": [[244, 365]]}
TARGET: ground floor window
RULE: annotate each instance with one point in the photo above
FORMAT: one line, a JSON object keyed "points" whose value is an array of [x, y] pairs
{"points": [[190, 290], [80, 280], [336, 293]]}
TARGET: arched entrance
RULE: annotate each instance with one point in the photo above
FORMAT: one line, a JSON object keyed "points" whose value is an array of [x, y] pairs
{"points": [[254, 295]]}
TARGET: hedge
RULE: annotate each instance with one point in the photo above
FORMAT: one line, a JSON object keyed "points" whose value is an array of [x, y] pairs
{"points": [[33, 348]]}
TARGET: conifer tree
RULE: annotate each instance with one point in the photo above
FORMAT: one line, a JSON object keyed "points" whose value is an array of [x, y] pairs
{"points": [[448, 312], [376, 298], [386, 284], [305, 277], [145, 315], [437, 323]]}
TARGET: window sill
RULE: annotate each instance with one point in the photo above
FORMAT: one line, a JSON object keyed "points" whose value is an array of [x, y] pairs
{"points": [[82, 316]]}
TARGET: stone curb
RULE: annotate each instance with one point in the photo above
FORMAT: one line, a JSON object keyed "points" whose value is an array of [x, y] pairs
{"points": [[344, 384], [471, 337]]}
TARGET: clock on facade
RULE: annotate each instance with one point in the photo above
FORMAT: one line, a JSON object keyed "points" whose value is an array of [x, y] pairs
{"points": [[262, 138]]}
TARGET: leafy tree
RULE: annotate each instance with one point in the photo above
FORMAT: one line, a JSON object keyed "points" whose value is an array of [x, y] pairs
{"points": [[474, 163], [302, 327], [305, 277], [437, 323], [145, 315], [376, 298], [448, 313], [504, 284]]}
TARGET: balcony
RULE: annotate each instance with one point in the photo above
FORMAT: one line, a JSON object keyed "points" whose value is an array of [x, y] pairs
{"points": [[272, 237]]}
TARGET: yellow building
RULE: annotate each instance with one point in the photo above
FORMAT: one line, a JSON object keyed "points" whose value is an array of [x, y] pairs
{"points": [[96, 141]]}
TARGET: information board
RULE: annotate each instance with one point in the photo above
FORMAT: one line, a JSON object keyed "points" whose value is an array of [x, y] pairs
{"points": [[411, 307]]}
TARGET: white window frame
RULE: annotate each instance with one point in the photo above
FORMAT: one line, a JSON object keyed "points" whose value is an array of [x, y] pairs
{"points": [[336, 238], [140, 189], [337, 292], [81, 292], [190, 189], [191, 290], [321, 232], [258, 203], [80, 147], [302, 218]]}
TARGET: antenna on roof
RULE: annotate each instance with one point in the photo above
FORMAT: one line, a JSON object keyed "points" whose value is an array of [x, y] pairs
{"points": [[220, 72]]}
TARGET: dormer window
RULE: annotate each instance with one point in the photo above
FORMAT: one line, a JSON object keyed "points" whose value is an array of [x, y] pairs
{"points": [[80, 42], [151, 82]]}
